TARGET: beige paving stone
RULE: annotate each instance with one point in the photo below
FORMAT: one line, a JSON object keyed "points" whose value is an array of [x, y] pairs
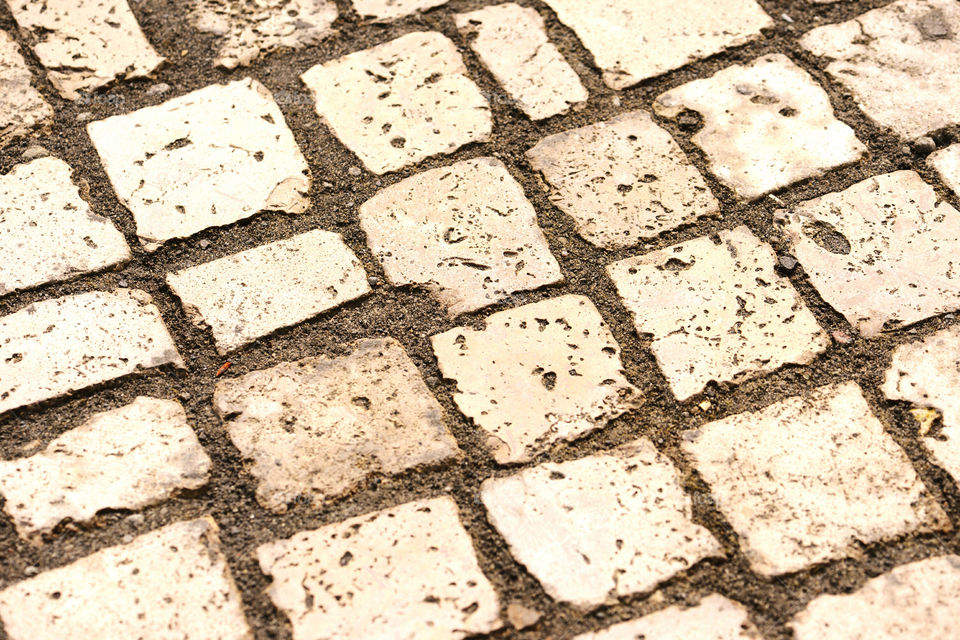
{"points": [[393, 9], [465, 232], [766, 125], [810, 479], [170, 584], [512, 42], [206, 159], [51, 348], [47, 231], [633, 41], [253, 293], [717, 311], [899, 61], [127, 458], [594, 529], [882, 252], [85, 44], [536, 375], [318, 427], [916, 600], [947, 163], [407, 573], [22, 108], [400, 102], [622, 180], [249, 28]]}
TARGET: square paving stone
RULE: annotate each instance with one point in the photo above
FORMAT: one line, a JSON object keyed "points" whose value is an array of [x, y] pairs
{"points": [[810, 479], [393, 9], [400, 102], [22, 108], [409, 572], [899, 61], [622, 180], [882, 252], [206, 159], [464, 232], [717, 311], [947, 163], [766, 125], [601, 527], [536, 375]]}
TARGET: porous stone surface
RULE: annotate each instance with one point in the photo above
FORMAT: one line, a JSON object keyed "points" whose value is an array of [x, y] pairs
{"points": [[464, 232], [22, 108], [512, 42], [536, 375], [317, 427], [809, 479], [170, 584], [766, 125], [947, 163], [400, 102], [393, 9], [717, 311], [882, 252], [127, 458], [408, 572], [899, 62], [604, 526], [51, 348], [253, 293], [206, 159], [622, 180], [631, 42]]}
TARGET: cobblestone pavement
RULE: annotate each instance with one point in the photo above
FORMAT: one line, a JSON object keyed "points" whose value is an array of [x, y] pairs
{"points": [[444, 319]]}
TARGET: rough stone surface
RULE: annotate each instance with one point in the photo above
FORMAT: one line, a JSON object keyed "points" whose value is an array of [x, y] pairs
{"points": [[465, 232], [318, 427], [717, 311], [899, 61], [535, 375], [631, 42], [127, 458], [883, 252], [512, 42], [85, 44], [622, 180], [170, 584], [808, 479], [22, 108], [51, 348], [253, 293], [206, 159], [947, 163], [766, 125], [393, 9], [408, 572], [400, 102], [594, 529]]}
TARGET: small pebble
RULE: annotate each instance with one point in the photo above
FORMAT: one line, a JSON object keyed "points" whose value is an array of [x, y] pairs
{"points": [[789, 263], [432, 381], [204, 244], [31, 571], [83, 117], [33, 152], [136, 519], [158, 89], [521, 617], [123, 283], [354, 171], [373, 280], [924, 145], [841, 336]]}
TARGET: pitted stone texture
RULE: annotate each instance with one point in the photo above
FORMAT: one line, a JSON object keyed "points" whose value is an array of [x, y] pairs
{"points": [[318, 427], [714, 618], [54, 347], [766, 125], [717, 311], [882, 252], [622, 180], [594, 529], [807, 480], [400, 102], [85, 44], [899, 61], [206, 159], [407, 573], [47, 231], [465, 232], [393, 9], [22, 108], [253, 293], [536, 375], [127, 458], [249, 28], [170, 584], [512, 42], [947, 163], [633, 41], [916, 600]]}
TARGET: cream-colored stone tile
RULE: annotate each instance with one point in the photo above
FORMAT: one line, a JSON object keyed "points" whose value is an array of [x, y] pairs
{"points": [[22, 108], [393, 9], [947, 163]]}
